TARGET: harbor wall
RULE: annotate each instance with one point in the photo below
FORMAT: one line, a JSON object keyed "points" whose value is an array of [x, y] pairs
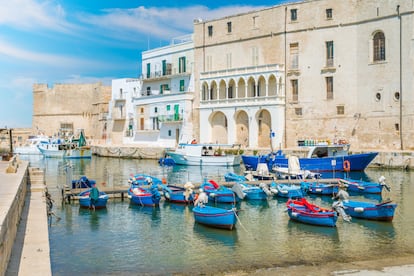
{"points": [[12, 199], [385, 159]]}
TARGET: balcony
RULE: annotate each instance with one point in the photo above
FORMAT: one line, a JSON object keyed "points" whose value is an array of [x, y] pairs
{"points": [[170, 118]]}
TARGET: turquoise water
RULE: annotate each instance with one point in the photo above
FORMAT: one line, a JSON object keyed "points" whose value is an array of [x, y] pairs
{"points": [[133, 240]]}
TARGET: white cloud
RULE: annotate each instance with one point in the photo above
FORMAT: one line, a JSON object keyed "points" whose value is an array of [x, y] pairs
{"points": [[30, 14], [162, 23]]}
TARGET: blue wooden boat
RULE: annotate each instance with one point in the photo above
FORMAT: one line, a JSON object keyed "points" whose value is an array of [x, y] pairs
{"points": [[217, 193], [254, 192], [215, 217], [369, 210], [319, 158], [318, 188], [85, 201], [178, 194], [360, 186], [233, 177], [286, 190], [144, 179], [82, 182], [303, 211], [166, 161], [144, 196]]}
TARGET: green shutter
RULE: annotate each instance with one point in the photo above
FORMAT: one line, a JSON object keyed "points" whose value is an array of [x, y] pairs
{"points": [[164, 67], [148, 70], [182, 88]]}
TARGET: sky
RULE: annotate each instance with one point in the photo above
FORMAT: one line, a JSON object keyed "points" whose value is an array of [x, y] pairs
{"points": [[87, 41]]}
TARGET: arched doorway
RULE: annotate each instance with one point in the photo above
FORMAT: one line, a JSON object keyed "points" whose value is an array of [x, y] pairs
{"points": [[264, 123], [218, 122], [242, 128]]}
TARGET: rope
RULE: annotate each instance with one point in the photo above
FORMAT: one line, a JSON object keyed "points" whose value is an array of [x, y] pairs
{"points": [[238, 219]]}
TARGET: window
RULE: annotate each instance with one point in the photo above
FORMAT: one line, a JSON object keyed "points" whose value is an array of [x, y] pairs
{"points": [[229, 27], [148, 70], [148, 91], [168, 107], [397, 96], [155, 109], [182, 87], [295, 90], [294, 56], [378, 97], [163, 88], [255, 20], [329, 88], [120, 93], [340, 110], [293, 14], [164, 67], [298, 111], [328, 13], [379, 46], [210, 30], [181, 65], [329, 54], [142, 110]]}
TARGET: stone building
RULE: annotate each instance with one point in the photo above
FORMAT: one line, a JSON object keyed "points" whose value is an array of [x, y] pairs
{"points": [[317, 70], [64, 108]]}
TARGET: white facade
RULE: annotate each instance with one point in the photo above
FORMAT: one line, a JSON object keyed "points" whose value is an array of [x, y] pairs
{"points": [[121, 111], [163, 109]]}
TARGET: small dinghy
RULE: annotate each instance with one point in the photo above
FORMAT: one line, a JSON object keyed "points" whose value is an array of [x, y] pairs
{"points": [[303, 211]]}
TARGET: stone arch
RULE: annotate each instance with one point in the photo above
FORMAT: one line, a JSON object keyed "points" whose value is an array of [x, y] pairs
{"points": [[251, 87], [219, 128], [261, 87], [222, 90], [264, 125], [242, 128], [272, 85], [241, 88], [213, 91], [204, 91]]}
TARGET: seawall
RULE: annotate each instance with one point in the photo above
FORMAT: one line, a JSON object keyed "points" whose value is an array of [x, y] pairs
{"points": [[393, 159], [24, 233]]}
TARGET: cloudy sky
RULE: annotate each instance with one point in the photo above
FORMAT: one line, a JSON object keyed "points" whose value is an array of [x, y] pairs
{"points": [[83, 41]]}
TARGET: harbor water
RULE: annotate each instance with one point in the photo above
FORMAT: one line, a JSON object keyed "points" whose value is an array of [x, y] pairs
{"points": [[132, 240]]}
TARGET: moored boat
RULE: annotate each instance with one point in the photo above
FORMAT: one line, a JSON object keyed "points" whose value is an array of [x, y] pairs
{"points": [[318, 188], [319, 158], [368, 210], [361, 186], [140, 195], [217, 193], [286, 190], [305, 212], [205, 155], [178, 194], [85, 200], [215, 217], [73, 148], [30, 146], [82, 182]]}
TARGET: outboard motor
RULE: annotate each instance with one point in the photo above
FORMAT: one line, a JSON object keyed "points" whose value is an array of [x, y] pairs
{"points": [[381, 181], [340, 209], [238, 190], [265, 189]]}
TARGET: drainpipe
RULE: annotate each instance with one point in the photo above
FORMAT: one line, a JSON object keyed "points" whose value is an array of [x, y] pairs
{"points": [[401, 94]]}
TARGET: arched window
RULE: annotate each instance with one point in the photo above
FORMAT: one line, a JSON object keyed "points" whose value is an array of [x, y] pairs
{"points": [[379, 46]]}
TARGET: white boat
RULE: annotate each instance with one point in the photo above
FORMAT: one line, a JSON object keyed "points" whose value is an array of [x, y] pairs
{"points": [[293, 171], [30, 146], [72, 148], [205, 155]]}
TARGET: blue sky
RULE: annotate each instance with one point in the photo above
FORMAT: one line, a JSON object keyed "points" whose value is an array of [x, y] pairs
{"points": [[84, 41]]}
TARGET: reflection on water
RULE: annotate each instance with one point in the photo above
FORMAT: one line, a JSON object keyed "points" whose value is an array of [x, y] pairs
{"points": [[129, 239]]}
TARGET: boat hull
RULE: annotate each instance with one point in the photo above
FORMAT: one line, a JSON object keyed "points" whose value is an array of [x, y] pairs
{"points": [[370, 211], [54, 152], [85, 201], [358, 162], [189, 160], [305, 215], [319, 188], [359, 186], [215, 217], [176, 194]]}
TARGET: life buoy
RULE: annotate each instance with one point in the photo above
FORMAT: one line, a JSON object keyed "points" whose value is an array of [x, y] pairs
{"points": [[347, 166]]}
